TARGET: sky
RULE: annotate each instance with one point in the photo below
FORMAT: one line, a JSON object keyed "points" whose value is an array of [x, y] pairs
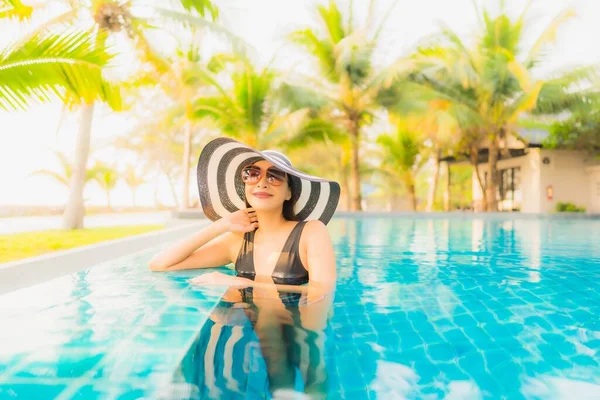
{"points": [[28, 139]]}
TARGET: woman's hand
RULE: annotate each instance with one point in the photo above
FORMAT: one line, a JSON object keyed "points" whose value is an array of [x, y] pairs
{"points": [[220, 279], [241, 221]]}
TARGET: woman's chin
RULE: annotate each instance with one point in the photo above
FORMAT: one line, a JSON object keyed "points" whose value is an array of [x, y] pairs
{"points": [[264, 204]]}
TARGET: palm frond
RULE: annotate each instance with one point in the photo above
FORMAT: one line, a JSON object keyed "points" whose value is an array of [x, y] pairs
{"points": [[15, 9], [549, 34], [321, 50], [575, 91], [239, 45], [64, 180], [331, 18], [67, 65], [203, 7], [353, 58], [299, 97]]}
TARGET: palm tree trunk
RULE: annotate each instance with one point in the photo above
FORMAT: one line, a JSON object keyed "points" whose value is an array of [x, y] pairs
{"points": [[447, 188], [172, 190], [108, 198], [434, 180], [156, 199], [410, 186], [355, 166], [187, 145], [74, 211], [346, 194], [492, 183], [412, 196], [474, 155], [133, 196]]}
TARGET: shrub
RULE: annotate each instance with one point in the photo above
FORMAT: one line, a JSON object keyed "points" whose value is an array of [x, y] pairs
{"points": [[568, 207]]}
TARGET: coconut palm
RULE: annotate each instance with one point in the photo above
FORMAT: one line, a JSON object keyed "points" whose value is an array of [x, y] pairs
{"points": [[188, 79], [106, 177], [349, 90], [63, 176], [491, 85], [133, 179], [403, 156], [250, 110], [114, 17]]}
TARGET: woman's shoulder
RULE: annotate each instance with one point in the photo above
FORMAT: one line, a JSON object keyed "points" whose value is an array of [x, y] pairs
{"points": [[315, 226], [313, 230]]}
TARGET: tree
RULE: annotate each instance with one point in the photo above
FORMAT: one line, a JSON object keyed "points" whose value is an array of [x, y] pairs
{"points": [[133, 180], [491, 83], [250, 110], [187, 81], [107, 177], [349, 90], [581, 132], [402, 156], [63, 176], [110, 18]]}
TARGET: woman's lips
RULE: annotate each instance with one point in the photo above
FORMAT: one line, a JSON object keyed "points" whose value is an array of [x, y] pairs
{"points": [[262, 195]]}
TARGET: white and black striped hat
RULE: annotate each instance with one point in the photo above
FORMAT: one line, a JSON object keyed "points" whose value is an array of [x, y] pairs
{"points": [[221, 187]]}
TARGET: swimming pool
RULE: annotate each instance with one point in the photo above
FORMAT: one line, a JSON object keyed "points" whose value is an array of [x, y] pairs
{"points": [[432, 308]]}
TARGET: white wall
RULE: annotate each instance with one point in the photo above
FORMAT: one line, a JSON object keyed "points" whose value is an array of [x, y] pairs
{"points": [[594, 180], [568, 178]]}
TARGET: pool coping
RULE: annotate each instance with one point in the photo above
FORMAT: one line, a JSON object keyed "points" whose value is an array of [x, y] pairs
{"points": [[197, 214], [31, 271]]}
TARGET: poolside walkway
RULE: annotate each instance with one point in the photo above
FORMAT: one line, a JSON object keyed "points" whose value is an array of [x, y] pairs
{"points": [[41, 223]]}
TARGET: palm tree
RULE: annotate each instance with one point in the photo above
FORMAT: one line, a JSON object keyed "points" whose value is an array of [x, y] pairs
{"points": [[491, 85], [402, 154], [350, 90], [133, 180], [66, 171], [188, 79], [110, 18], [107, 177], [157, 143], [250, 110]]}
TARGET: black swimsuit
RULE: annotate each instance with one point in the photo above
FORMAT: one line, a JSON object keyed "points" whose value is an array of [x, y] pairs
{"points": [[288, 270]]}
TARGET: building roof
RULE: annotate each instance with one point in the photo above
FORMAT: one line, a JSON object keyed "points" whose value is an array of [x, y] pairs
{"points": [[533, 136]]}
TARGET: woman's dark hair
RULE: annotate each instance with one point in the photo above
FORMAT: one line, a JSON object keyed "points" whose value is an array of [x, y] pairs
{"points": [[288, 205]]}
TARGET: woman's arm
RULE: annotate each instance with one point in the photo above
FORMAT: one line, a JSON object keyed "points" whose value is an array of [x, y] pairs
{"points": [[211, 247], [204, 249]]}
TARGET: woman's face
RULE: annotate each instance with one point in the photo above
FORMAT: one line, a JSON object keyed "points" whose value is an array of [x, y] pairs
{"points": [[264, 194]]}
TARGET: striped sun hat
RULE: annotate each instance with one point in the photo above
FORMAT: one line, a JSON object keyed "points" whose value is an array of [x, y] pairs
{"points": [[222, 191]]}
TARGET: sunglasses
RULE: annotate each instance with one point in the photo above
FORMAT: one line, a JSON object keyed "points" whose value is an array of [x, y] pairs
{"points": [[252, 174]]}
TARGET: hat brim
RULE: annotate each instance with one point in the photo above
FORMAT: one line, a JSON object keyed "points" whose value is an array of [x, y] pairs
{"points": [[221, 189]]}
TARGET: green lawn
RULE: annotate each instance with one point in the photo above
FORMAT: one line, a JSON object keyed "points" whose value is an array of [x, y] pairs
{"points": [[22, 245]]}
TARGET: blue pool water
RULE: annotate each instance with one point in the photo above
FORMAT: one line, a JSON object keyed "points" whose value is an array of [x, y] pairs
{"points": [[425, 309]]}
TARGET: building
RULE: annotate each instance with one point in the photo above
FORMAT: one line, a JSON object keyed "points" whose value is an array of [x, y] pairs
{"points": [[534, 179]]}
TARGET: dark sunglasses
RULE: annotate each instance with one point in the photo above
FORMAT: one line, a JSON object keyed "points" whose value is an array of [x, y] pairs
{"points": [[252, 174]]}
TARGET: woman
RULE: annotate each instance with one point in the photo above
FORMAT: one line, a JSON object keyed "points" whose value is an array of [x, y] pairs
{"points": [[269, 220]]}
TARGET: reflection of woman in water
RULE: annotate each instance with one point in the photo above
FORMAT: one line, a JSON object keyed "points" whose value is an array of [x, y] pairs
{"points": [[269, 220]]}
